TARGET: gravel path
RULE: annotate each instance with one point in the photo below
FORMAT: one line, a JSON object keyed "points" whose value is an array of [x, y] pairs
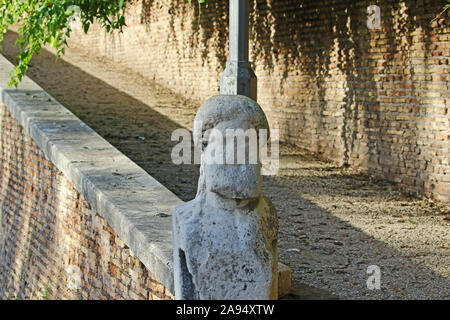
{"points": [[334, 222]]}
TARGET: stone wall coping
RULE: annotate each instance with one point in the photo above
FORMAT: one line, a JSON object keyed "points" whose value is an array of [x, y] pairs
{"points": [[135, 205]]}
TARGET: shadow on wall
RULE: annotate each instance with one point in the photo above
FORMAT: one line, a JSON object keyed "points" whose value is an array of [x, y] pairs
{"points": [[212, 21], [385, 103], [209, 26], [146, 11]]}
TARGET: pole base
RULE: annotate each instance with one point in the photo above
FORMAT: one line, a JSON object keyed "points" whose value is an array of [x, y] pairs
{"points": [[238, 78]]}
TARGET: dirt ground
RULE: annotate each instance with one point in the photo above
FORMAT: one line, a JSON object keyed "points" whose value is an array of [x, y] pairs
{"points": [[334, 222]]}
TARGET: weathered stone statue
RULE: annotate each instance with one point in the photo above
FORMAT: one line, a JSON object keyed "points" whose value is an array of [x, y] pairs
{"points": [[225, 240]]}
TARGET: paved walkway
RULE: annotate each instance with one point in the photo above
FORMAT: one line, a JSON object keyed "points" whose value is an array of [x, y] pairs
{"points": [[334, 222]]}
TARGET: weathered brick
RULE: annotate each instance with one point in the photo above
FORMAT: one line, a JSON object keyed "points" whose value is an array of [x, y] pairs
{"points": [[43, 237]]}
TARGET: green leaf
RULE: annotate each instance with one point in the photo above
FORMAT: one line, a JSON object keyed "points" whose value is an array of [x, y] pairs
{"points": [[86, 27]]}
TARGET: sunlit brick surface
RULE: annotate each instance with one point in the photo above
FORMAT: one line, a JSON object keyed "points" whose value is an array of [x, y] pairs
{"points": [[52, 245]]}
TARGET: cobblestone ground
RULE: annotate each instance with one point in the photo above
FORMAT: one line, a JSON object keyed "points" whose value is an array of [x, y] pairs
{"points": [[334, 222]]}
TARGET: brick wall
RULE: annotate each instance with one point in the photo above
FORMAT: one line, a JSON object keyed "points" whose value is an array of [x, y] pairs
{"points": [[374, 99], [52, 245]]}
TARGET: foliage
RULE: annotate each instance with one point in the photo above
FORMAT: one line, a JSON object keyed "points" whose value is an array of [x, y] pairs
{"points": [[46, 295], [203, 2], [446, 7], [43, 22]]}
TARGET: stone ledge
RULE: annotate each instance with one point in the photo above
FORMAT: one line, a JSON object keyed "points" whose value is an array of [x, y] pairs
{"points": [[134, 204]]}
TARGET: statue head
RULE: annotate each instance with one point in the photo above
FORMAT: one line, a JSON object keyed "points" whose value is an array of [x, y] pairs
{"points": [[226, 130]]}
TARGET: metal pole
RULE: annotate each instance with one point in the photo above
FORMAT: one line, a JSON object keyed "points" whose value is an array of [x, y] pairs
{"points": [[238, 77]]}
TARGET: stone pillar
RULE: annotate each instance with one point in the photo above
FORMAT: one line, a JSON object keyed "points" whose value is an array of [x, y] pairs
{"points": [[238, 77], [225, 240]]}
